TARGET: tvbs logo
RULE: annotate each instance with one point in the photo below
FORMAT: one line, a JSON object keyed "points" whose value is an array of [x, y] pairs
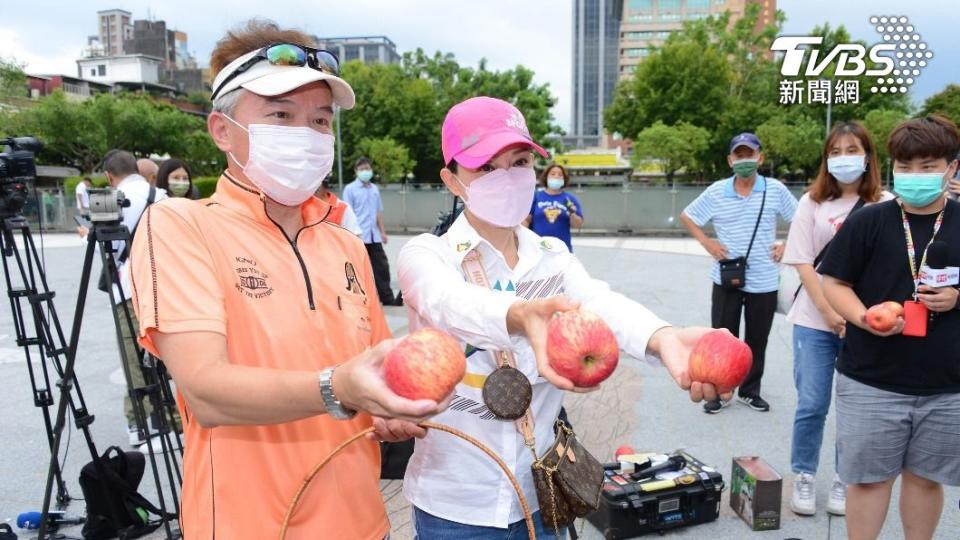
{"points": [[894, 62], [850, 57]]}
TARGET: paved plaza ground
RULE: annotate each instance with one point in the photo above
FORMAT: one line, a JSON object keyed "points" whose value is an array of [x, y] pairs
{"points": [[639, 405]]}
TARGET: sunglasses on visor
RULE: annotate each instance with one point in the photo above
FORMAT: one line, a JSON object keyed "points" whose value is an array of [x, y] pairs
{"points": [[287, 54]]}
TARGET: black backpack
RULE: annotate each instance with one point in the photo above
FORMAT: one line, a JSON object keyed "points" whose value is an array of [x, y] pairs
{"points": [[446, 219], [115, 509], [6, 532]]}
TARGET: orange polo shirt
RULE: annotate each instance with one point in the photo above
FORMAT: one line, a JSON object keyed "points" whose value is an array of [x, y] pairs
{"points": [[338, 208], [221, 265]]}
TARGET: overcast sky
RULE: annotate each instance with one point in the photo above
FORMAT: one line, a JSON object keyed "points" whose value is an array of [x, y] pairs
{"points": [[536, 33]]}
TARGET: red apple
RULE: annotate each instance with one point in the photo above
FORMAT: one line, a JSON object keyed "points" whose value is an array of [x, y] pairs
{"points": [[581, 347], [427, 364], [896, 307], [883, 317], [624, 450], [720, 359]]}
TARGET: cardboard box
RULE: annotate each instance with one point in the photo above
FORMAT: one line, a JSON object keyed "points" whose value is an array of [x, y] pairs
{"points": [[755, 489]]}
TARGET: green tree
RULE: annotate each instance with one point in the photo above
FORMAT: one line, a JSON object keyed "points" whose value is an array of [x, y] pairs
{"points": [[391, 160], [682, 82], [720, 75], [676, 147], [880, 123], [945, 102], [793, 141], [201, 99], [408, 102], [13, 80], [80, 133]]}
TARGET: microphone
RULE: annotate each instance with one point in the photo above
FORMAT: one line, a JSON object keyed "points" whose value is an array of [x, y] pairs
{"points": [[31, 520], [936, 273], [673, 463]]}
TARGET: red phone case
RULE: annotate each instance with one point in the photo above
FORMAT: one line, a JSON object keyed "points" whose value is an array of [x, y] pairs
{"points": [[915, 316]]}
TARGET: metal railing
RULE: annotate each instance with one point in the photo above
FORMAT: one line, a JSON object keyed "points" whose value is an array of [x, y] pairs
{"points": [[629, 209]]}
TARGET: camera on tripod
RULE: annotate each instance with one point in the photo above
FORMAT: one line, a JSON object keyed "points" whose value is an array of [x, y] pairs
{"points": [[106, 205], [17, 168]]}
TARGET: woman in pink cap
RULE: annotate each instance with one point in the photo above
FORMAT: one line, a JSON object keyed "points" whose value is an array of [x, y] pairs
{"points": [[457, 491]]}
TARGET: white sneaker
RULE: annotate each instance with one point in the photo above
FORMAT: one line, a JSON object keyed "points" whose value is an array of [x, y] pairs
{"points": [[135, 436], [153, 446], [837, 504], [804, 500]]}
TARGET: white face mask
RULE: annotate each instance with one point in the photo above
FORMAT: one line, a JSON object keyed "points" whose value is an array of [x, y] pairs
{"points": [[847, 169], [287, 163], [502, 197]]}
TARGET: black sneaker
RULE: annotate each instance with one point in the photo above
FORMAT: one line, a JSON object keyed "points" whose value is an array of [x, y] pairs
{"points": [[713, 407], [756, 403]]}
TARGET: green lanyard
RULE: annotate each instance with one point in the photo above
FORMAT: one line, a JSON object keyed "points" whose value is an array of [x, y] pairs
{"points": [[911, 250]]}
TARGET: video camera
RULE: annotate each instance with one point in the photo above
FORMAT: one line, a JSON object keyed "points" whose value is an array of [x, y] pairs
{"points": [[17, 168]]}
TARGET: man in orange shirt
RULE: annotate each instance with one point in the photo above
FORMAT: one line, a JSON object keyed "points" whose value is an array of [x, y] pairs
{"points": [[341, 214], [266, 314]]}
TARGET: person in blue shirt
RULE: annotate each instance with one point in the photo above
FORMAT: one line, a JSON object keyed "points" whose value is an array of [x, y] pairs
{"points": [[554, 211], [364, 197], [734, 205]]}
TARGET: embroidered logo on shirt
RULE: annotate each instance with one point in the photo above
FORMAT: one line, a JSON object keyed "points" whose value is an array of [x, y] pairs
{"points": [[353, 284], [463, 246], [545, 244], [251, 281]]}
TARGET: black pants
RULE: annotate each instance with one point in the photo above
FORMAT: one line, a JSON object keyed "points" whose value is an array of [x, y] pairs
{"points": [[758, 309], [381, 272]]}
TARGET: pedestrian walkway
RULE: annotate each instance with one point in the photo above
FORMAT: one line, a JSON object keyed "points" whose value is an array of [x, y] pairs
{"points": [[640, 405]]}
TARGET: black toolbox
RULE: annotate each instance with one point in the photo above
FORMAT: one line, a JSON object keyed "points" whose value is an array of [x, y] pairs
{"points": [[680, 498]]}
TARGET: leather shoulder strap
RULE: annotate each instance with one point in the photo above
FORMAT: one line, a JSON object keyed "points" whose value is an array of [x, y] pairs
{"points": [[473, 269]]}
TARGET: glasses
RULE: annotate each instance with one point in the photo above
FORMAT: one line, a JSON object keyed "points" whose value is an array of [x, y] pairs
{"points": [[288, 54]]}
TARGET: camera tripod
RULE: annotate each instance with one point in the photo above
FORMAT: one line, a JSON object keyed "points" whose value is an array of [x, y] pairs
{"points": [[50, 339], [105, 236]]}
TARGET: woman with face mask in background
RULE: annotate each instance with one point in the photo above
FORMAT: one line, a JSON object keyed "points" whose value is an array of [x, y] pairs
{"points": [[174, 177], [554, 211], [455, 489], [849, 179]]}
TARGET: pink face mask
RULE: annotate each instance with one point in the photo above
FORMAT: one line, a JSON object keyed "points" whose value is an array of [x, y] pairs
{"points": [[502, 197]]}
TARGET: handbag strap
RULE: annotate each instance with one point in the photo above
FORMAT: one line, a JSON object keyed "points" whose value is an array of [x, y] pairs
{"points": [[473, 268], [823, 252], [763, 203]]}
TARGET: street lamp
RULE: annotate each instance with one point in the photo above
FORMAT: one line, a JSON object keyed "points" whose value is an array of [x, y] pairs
{"points": [[339, 152]]}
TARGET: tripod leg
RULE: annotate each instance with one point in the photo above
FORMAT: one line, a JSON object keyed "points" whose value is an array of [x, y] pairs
{"points": [[125, 333], [68, 375], [41, 388]]}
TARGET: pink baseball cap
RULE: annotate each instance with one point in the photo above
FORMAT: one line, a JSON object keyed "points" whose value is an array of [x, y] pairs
{"points": [[477, 129]]}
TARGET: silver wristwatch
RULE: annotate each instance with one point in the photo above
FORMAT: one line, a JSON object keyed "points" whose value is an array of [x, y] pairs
{"points": [[330, 401]]}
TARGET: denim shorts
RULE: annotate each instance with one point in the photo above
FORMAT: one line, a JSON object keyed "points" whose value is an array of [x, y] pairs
{"points": [[880, 433]]}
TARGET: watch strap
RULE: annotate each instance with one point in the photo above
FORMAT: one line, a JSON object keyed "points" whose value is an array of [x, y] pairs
{"points": [[333, 405]]}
